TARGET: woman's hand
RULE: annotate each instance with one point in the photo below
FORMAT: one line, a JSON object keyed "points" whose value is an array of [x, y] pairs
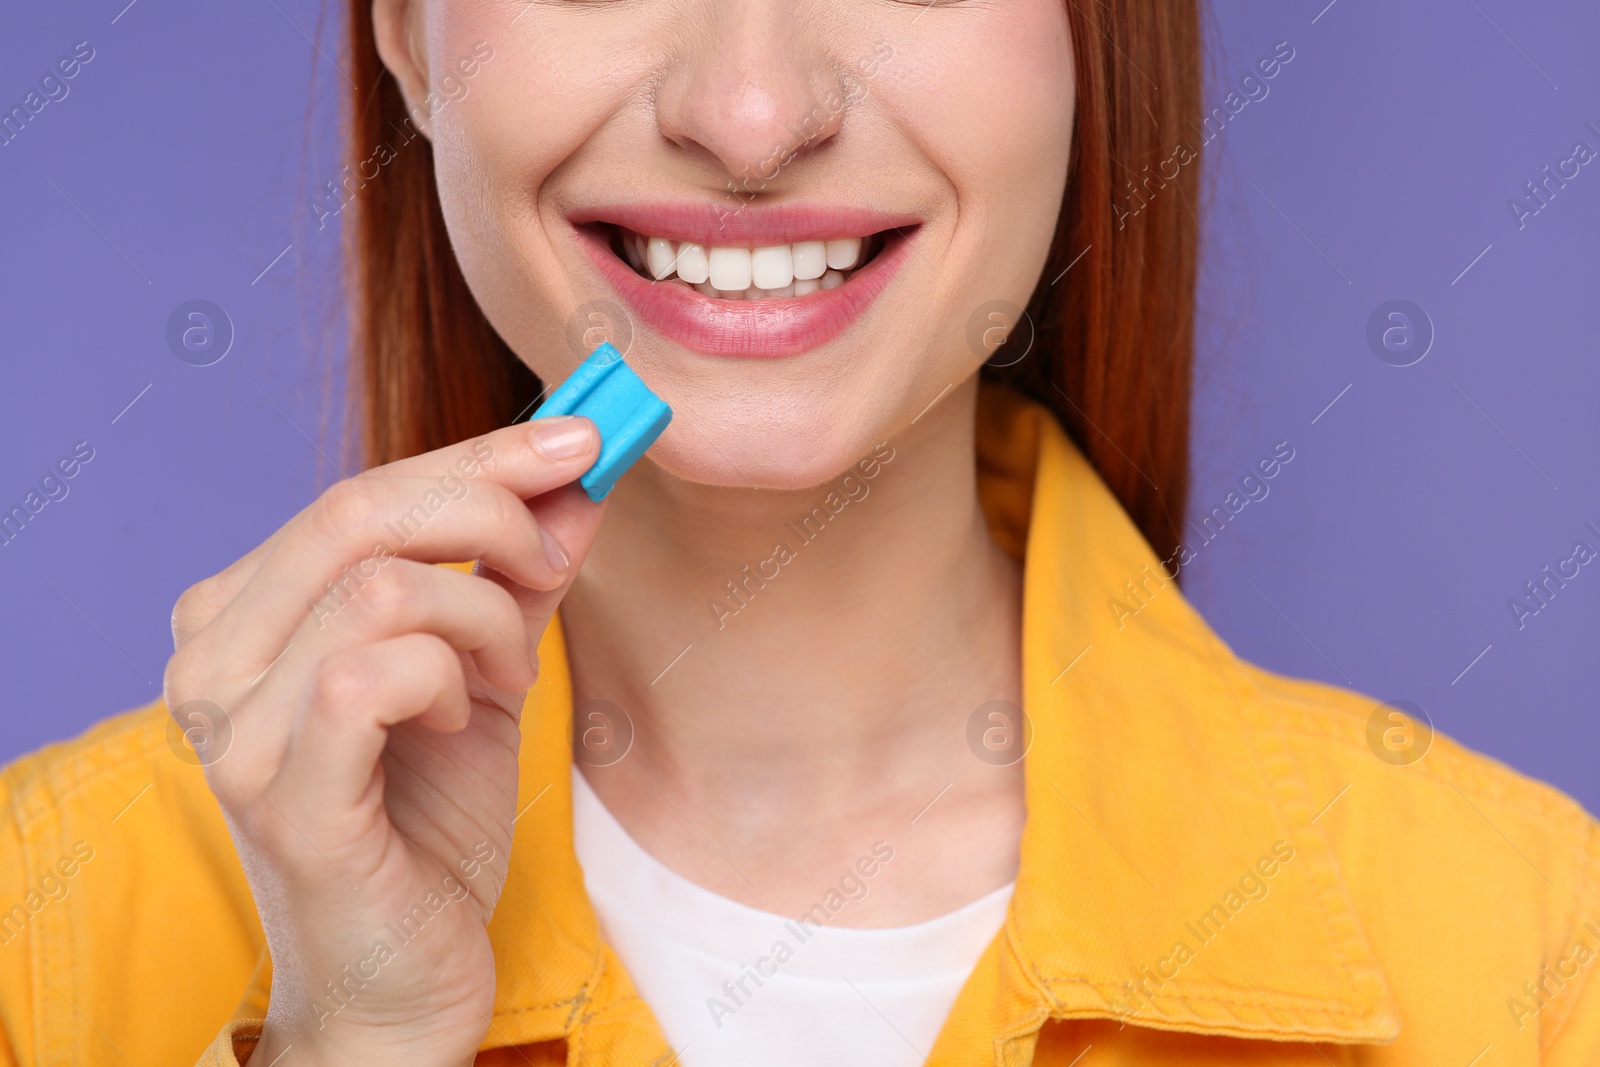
{"points": [[373, 700]]}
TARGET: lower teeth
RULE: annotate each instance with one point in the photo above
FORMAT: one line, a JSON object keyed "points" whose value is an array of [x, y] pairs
{"points": [[831, 280]]}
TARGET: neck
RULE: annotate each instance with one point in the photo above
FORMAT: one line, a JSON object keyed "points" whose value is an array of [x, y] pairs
{"points": [[787, 654]]}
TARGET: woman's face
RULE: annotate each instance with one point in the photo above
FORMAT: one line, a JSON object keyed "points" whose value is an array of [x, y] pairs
{"points": [[609, 153]]}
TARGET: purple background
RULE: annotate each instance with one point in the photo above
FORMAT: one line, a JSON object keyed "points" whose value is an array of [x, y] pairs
{"points": [[1378, 167]]}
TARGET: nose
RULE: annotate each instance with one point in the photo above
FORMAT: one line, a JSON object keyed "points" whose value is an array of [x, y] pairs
{"points": [[752, 92]]}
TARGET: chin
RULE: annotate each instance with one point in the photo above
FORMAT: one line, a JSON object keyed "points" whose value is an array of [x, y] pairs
{"points": [[764, 442]]}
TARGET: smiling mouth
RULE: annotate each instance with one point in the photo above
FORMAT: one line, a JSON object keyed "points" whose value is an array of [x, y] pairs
{"points": [[765, 281], [729, 272]]}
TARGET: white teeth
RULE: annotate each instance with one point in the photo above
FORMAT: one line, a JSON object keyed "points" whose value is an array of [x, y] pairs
{"points": [[730, 268], [843, 253], [661, 256], [694, 266], [810, 260], [771, 272], [771, 267]]}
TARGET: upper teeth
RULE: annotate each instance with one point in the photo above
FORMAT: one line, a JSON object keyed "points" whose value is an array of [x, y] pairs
{"points": [[753, 273]]}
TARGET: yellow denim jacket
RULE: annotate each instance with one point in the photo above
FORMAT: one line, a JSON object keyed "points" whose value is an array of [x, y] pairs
{"points": [[1216, 867]]}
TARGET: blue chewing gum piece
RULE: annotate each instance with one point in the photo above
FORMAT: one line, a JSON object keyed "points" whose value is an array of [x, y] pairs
{"points": [[628, 415]]}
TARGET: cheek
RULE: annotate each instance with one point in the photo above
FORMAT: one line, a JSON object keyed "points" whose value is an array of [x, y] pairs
{"points": [[541, 95], [551, 88], [988, 98]]}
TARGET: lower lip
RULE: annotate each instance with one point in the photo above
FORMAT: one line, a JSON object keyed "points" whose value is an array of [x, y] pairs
{"points": [[748, 329]]}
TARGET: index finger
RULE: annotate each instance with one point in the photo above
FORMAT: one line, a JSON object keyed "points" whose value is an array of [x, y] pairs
{"points": [[501, 455]]}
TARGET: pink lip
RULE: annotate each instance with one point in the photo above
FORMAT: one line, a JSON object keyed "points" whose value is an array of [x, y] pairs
{"points": [[751, 329]]}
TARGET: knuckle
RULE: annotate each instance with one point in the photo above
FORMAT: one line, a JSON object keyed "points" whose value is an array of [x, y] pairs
{"points": [[445, 661], [179, 673], [492, 506], [394, 594], [233, 783], [194, 607], [189, 676], [508, 512], [518, 453], [501, 607], [349, 505], [340, 682]]}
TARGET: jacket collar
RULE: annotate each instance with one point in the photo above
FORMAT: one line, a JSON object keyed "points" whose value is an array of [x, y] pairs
{"points": [[1160, 789], [1159, 783]]}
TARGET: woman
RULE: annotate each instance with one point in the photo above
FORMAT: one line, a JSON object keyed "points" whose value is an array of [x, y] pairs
{"points": [[807, 820]]}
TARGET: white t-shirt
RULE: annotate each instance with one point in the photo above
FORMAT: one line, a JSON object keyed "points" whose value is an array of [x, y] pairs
{"points": [[733, 986]]}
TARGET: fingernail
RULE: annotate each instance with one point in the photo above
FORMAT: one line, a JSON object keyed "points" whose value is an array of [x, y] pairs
{"points": [[554, 553], [563, 437]]}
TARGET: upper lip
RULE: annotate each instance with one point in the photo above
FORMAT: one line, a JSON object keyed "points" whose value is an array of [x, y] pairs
{"points": [[743, 225]]}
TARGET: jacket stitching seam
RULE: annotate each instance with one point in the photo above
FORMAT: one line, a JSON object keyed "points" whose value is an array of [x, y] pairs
{"points": [[1513, 794], [1298, 1001], [1513, 800], [1286, 779]]}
